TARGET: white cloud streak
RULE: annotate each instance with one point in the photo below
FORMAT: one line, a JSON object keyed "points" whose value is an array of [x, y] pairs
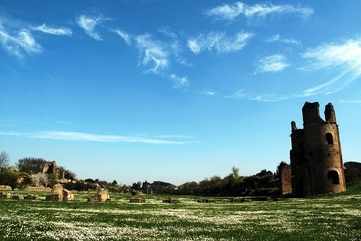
{"points": [[89, 24], [91, 137], [59, 31], [219, 42], [278, 38], [239, 94], [350, 101], [242, 94], [127, 38], [209, 93], [156, 55], [153, 53], [179, 81], [233, 11], [20, 44], [272, 63], [344, 57]]}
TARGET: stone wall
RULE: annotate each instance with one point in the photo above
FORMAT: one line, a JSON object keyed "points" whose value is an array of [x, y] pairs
{"points": [[284, 172]]}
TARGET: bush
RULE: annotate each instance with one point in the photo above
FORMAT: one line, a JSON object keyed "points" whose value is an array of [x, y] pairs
{"points": [[9, 177]]}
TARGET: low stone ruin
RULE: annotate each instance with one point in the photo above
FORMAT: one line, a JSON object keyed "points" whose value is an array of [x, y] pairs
{"points": [[68, 195], [18, 197], [56, 194], [38, 189], [102, 195], [30, 197], [137, 199], [5, 195], [5, 188], [59, 193]]}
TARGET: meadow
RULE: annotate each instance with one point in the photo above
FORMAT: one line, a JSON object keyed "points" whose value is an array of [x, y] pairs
{"points": [[330, 217]]}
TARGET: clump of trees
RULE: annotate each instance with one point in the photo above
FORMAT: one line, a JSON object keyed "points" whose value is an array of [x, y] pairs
{"points": [[261, 184], [156, 187], [11, 176], [28, 172], [353, 173], [30, 164]]}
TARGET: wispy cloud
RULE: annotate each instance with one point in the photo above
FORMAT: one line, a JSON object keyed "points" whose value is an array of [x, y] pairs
{"points": [[344, 57], [156, 55], [127, 38], [232, 11], [239, 94], [179, 81], [278, 38], [219, 42], [168, 33], [89, 24], [91, 137], [269, 98], [242, 94], [351, 101], [153, 53], [272, 63], [53, 30], [19, 44], [208, 92]]}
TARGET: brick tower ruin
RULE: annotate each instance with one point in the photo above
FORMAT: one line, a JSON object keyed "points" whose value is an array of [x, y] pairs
{"points": [[316, 158]]}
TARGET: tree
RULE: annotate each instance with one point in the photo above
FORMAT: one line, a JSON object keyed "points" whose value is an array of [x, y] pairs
{"points": [[235, 173], [67, 173], [9, 176], [137, 186], [4, 160], [30, 164]]}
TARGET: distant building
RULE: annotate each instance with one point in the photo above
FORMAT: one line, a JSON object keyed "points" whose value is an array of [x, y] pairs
{"points": [[316, 156]]}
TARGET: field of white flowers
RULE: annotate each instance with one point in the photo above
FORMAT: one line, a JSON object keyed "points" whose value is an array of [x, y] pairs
{"points": [[323, 218]]}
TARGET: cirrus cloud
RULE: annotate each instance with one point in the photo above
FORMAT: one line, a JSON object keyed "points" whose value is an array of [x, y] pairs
{"points": [[89, 24], [19, 44], [272, 63], [53, 30], [219, 42], [232, 11], [92, 137], [343, 57]]}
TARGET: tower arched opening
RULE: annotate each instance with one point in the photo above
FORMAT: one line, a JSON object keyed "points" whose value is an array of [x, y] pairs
{"points": [[333, 177], [329, 139]]}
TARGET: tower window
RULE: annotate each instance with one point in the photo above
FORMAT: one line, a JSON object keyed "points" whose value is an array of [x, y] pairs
{"points": [[333, 177], [329, 139]]}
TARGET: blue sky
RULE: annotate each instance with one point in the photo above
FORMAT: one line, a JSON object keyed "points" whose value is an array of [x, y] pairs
{"points": [[173, 90]]}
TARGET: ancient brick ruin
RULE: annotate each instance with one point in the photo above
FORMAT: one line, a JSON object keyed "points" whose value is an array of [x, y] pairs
{"points": [[50, 167], [316, 157], [285, 175]]}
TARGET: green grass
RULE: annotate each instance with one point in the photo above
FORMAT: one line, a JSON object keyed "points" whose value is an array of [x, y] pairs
{"points": [[331, 217]]}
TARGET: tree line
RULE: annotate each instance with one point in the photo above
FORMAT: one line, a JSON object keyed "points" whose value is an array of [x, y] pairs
{"points": [[27, 172], [263, 183]]}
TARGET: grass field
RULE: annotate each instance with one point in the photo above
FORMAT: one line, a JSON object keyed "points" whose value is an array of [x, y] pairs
{"points": [[324, 218]]}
